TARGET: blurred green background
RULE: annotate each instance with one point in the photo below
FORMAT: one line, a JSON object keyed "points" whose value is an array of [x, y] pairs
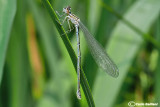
{"points": [[37, 71]]}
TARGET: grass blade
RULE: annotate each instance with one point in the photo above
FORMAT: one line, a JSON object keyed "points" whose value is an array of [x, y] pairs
{"points": [[145, 36], [7, 13], [17, 62], [157, 73], [122, 48]]}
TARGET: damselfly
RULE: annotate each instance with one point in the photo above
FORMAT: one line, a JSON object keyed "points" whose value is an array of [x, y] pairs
{"points": [[97, 51]]}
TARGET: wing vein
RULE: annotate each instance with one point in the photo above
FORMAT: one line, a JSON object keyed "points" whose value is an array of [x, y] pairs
{"points": [[100, 56]]}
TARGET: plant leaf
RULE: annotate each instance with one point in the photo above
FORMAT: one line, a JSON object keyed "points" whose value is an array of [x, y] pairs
{"points": [[122, 48], [7, 13]]}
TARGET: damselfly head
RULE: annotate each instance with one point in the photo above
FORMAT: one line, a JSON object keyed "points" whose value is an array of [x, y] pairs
{"points": [[67, 10]]}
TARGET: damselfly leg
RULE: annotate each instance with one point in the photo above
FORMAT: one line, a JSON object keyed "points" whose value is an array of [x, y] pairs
{"points": [[62, 22]]}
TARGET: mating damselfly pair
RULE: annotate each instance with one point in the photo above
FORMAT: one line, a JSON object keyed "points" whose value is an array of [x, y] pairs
{"points": [[97, 51]]}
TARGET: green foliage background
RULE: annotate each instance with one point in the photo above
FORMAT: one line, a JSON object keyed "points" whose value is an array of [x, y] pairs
{"points": [[37, 62]]}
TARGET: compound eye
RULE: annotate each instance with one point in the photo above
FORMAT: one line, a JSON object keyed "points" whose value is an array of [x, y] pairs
{"points": [[69, 8]]}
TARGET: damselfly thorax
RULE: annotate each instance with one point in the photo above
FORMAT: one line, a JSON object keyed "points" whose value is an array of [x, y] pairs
{"points": [[74, 19]]}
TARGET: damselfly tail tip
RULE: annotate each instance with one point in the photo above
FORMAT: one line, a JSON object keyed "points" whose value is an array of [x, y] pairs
{"points": [[78, 94], [116, 74]]}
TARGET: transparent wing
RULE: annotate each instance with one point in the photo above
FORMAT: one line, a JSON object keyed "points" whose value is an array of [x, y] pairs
{"points": [[98, 53]]}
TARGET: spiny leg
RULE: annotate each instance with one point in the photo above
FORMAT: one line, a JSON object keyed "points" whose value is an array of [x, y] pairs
{"points": [[69, 24], [70, 29], [66, 18], [59, 14], [62, 21]]}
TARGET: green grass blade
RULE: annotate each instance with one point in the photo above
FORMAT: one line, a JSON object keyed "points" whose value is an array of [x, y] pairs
{"points": [[157, 73], [71, 52], [43, 29], [122, 47], [145, 36], [17, 62], [46, 32], [7, 13]]}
